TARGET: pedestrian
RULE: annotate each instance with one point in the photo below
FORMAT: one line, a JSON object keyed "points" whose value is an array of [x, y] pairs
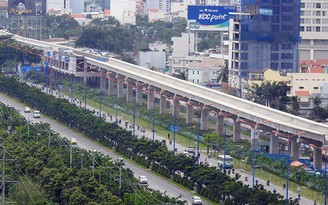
{"points": [[284, 186], [274, 191], [256, 181], [315, 202], [299, 196], [268, 182], [168, 135]]}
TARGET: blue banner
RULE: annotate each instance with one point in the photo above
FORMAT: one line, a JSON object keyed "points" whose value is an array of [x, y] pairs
{"points": [[211, 16]]}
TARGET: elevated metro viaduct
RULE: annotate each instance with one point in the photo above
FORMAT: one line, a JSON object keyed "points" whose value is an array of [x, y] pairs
{"points": [[296, 129]]}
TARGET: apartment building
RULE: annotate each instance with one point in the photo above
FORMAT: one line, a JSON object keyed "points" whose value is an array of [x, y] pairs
{"points": [[314, 29]]}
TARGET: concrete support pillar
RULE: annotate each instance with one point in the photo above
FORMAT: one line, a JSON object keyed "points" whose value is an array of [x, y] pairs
{"points": [[120, 87], [220, 124], [111, 86], [139, 93], [274, 144], [317, 156], [294, 145], [151, 98], [175, 109], [162, 104], [204, 119], [129, 93], [236, 130], [189, 113]]}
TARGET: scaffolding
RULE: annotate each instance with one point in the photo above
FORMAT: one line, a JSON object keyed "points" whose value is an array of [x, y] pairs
{"points": [[26, 26]]}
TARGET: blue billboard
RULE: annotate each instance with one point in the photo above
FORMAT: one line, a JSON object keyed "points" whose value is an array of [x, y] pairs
{"points": [[210, 17]]}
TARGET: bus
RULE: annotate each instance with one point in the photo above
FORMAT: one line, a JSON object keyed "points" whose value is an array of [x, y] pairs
{"points": [[228, 161]]}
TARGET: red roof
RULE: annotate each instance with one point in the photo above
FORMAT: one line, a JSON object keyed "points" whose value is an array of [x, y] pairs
{"points": [[317, 69], [316, 62], [301, 93]]}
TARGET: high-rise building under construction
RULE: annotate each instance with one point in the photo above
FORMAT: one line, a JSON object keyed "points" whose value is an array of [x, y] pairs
{"points": [[263, 34]]}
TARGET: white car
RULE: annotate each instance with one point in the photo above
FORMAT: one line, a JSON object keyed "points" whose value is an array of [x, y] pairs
{"points": [[27, 109], [143, 180], [36, 114], [196, 200]]}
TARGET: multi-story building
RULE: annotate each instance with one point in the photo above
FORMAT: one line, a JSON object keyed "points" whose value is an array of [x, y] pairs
{"points": [[162, 5], [124, 11], [314, 29], [265, 34]]}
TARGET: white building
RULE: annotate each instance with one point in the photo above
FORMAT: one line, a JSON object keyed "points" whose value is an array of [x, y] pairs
{"points": [[55, 4], [162, 5], [124, 11], [204, 71], [154, 60], [314, 29], [77, 6], [181, 47]]}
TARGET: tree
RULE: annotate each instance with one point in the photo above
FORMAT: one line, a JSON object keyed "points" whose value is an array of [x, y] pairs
{"points": [[210, 139], [318, 112], [269, 93], [223, 76]]}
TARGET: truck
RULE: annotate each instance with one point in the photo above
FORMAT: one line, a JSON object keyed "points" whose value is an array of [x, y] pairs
{"points": [[228, 161]]}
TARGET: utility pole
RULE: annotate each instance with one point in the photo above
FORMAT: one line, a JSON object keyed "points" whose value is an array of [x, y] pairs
{"points": [[3, 177], [120, 182]]}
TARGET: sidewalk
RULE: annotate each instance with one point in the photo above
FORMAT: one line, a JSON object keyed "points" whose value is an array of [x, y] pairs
{"points": [[203, 158]]}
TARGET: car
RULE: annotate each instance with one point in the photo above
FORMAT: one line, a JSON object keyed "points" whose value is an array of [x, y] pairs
{"points": [[73, 141], [27, 109], [191, 150], [143, 180], [36, 114], [196, 200]]}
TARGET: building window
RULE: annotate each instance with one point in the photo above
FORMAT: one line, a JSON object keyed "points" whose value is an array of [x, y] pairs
{"points": [[318, 5], [324, 13], [302, 28], [287, 9], [193, 72], [286, 56], [286, 18], [274, 56], [318, 13], [317, 29], [324, 21], [286, 28], [324, 5], [302, 5], [309, 5], [286, 46], [316, 88], [275, 19], [308, 28], [274, 66], [244, 46], [318, 21], [244, 56], [307, 20], [275, 28], [301, 88], [198, 72], [197, 81], [302, 20]]}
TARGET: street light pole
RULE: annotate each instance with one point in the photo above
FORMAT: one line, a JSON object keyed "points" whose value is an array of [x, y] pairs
{"points": [[225, 147], [198, 138], [154, 121], [134, 113], [85, 94], [253, 161], [174, 127], [287, 173], [116, 107], [325, 197]]}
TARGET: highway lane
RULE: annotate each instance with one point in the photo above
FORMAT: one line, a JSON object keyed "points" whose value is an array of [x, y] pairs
{"points": [[154, 181]]}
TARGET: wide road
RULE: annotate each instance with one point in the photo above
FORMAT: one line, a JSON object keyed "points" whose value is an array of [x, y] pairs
{"points": [[154, 181]]}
